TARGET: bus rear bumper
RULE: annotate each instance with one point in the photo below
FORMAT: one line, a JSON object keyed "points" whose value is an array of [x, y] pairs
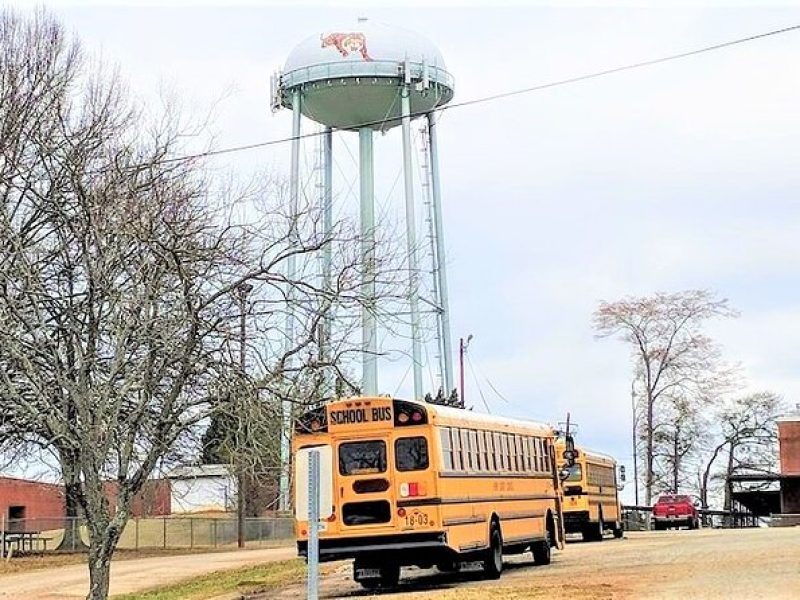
{"points": [[410, 549]]}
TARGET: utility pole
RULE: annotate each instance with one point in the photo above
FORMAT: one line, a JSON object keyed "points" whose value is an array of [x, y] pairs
{"points": [[633, 428], [243, 289], [462, 351]]}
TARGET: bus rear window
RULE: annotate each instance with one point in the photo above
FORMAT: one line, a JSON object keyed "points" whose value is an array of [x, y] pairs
{"points": [[359, 458], [411, 454]]}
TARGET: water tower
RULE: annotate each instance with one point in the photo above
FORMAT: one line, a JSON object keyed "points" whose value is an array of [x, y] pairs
{"points": [[363, 78]]}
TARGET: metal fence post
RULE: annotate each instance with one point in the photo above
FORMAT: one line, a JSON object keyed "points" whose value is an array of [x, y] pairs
{"points": [[215, 533], [191, 533], [136, 532], [164, 521], [313, 525]]}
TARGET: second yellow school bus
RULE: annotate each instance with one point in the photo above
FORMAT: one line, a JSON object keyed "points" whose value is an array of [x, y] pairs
{"points": [[421, 484], [591, 495]]}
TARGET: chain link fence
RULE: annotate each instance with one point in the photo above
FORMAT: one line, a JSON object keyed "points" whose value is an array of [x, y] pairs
{"points": [[184, 532]]}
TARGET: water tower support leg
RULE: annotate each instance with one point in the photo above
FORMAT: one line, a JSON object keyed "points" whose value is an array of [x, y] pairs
{"points": [[411, 241], [441, 271], [369, 376], [294, 200], [327, 226]]}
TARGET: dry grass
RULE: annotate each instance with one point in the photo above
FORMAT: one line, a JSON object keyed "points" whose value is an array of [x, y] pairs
{"points": [[234, 583], [540, 590], [37, 562]]}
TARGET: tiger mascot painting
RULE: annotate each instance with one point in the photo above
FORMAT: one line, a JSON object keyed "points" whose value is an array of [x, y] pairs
{"points": [[347, 43]]}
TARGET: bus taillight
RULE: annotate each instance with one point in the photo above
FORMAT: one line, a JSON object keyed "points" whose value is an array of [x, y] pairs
{"points": [[412, 490]]}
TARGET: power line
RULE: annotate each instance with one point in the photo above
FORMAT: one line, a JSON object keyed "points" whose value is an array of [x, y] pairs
{"points": [[493, 97]]}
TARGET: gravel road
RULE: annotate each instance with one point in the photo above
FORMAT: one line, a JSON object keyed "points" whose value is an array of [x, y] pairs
{"points": [[133, 575], [706, 564]]}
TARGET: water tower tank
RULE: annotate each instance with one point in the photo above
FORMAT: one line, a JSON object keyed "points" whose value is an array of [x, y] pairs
{"points": [[351, 76]]}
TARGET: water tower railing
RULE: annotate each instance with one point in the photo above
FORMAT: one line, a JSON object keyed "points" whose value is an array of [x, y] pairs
{"points": [[352, 69]]}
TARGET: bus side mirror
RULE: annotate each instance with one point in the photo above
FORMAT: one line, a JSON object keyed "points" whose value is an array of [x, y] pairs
{"points": [[563, 474], [622, 473]]}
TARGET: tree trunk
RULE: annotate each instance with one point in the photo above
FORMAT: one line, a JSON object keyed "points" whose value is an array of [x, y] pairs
{"points": [[648, 476], [72, 540], [728, 504], [105, 535], [99, 571], [241, 495], [676, 459]]}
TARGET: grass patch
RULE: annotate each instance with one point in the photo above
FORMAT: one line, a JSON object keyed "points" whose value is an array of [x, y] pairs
{"points": [[36, 562], [247, 580], [50, 560]]}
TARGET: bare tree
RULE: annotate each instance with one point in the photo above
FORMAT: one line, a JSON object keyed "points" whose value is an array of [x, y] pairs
{"points": [[670, 351], [746, 435], [118, 274]]}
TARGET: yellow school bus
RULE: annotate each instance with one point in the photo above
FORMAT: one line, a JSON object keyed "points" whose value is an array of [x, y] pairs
{"points": [[421, 484], [591, 494]]}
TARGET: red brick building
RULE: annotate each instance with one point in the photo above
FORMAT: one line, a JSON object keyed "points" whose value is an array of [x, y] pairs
{"points": [[25, 499], [789, 443]]}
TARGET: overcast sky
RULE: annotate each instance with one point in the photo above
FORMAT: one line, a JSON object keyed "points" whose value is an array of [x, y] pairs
{"points": [[676, 176]]}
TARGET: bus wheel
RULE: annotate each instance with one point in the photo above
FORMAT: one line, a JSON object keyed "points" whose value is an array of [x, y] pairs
{"points": [[493, 560], [448, 566], [541, 551], [618, 531], [387, 576]]}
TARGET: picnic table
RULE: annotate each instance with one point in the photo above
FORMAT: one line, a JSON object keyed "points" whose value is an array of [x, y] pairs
{"points": [[23, 541]]}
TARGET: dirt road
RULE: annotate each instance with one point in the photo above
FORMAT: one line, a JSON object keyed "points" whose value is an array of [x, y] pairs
{"points": [[71, 582], [706, 564]]}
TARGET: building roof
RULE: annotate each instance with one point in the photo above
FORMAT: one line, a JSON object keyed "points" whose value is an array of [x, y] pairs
{"points": [[198, 471]]}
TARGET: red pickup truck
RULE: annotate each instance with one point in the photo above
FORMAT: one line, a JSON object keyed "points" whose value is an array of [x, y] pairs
{"points": [[675, 511]]}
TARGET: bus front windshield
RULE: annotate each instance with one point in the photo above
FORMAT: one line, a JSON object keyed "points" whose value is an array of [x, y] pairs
{"points": [[575, 472]]}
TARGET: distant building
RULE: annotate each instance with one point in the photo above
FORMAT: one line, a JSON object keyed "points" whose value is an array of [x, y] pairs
{"points": [[789, 443], [781, 503], [22, 499], [203, 488], [26, 500]]}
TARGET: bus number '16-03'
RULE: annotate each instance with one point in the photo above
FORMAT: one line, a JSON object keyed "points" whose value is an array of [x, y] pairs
{"points": [[416, 519]]}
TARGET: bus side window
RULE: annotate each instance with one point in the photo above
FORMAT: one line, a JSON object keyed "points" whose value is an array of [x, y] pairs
{"points": [[482, 462], [548, 450], [458, 459], [491, 454], [540, 457], [465, 449], [498, 451], [534, 457], [530, 455], [447, 448], [517, 453]]}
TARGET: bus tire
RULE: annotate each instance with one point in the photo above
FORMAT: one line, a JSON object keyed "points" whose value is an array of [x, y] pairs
{"points": [[618, 531], [389, 577], [493, 559], [541, 551], [449, 566], [593, 532]]}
